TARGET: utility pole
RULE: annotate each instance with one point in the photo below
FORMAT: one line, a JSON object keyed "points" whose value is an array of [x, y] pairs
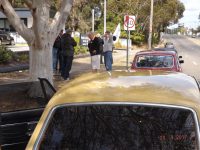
{"points": [[92, 20], [73, 22], [150, 26], [104, 29]]}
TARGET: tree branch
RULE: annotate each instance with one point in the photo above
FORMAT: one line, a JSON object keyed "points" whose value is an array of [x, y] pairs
{"points": [[29, 4], [15, 21], [61, 17]]}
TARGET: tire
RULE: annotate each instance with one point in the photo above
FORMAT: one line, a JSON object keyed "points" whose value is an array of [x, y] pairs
{"points": [[12, 42]]}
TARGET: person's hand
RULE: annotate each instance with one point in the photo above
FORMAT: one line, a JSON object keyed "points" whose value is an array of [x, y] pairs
{"points": [[94, 51], [106, 35]]}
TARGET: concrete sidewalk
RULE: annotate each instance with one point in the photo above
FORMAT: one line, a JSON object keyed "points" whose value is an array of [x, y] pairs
{"points": [[83, 65], [80, 66]]}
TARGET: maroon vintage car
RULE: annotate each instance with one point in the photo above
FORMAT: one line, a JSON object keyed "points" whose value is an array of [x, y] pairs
{"points": [[157, 60]]}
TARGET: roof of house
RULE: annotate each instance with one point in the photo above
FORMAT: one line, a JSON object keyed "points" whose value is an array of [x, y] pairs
{"points": [[22, 12]]}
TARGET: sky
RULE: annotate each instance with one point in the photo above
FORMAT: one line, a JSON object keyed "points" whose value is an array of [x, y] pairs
{"points": [[191, 14]]}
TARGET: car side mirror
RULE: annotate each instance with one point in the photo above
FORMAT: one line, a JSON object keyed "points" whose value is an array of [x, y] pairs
{"points": [[180, 57], [181, 61]]}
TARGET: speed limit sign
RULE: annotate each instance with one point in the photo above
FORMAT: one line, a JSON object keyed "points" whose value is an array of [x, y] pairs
{"points": [[129, 22]]}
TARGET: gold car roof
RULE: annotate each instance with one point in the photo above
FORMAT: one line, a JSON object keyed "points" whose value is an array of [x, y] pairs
{"points": [[151, 87], [123, 86]]}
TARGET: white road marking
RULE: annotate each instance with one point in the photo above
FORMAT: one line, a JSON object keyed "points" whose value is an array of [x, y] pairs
{"points": [[194, 63]]}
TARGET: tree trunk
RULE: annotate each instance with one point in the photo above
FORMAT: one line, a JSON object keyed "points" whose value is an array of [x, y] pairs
{"points": [[40, 67], [40, 36]]}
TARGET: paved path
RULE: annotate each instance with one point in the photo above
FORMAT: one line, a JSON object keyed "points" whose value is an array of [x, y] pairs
{"points": [[80, 65], [119, 58]]}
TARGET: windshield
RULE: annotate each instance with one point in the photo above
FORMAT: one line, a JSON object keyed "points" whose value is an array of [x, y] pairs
{"points": [[128, 127], [155, 61]]}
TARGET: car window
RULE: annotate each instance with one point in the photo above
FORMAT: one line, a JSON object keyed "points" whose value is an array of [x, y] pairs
{"points": [[155, 61], [120, 127], [2, 32]]}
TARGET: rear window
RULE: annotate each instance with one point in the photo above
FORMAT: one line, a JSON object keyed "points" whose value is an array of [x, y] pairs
{"points": [[128, 127], [155, 61]]}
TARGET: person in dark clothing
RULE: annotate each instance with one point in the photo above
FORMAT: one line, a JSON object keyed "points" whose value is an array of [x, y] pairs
{"points": [[59, 55], [68, 43], [56, 52], [101, 47], [95, 46]]}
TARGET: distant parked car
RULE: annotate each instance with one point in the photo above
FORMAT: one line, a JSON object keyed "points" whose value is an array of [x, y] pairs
{"points": [[165, 49], [5, 38], [169, 45], [157, 60], [193, 35]]}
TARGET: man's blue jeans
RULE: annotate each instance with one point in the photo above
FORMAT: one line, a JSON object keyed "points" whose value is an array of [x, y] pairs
{"points": [[55, 58], [108, 60]]}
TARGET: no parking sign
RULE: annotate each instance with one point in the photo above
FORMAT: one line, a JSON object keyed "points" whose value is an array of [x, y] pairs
{"points": [[129, 22]]}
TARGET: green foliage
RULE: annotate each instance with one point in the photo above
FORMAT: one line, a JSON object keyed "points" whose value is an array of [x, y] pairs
{"points": [[20, 57], [5, 55], [165, 11], [138, 39], [155, 38], [23, 57], [80, 17], [77, 39], [17, 3], [118, 45], [80, 50]]}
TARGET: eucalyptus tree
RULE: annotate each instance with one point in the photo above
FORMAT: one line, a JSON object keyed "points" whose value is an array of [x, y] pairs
{"points": [[81, 16], [41, 36], [164, 12]]}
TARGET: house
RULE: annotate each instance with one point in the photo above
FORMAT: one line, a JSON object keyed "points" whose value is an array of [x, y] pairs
{"points": [[24, 14]]}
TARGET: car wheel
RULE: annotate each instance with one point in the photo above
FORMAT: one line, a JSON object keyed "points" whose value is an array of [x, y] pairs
{"points": [[12, 42]]}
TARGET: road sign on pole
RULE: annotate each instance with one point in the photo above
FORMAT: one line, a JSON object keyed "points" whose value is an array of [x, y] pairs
{"points": [[129, 22], [129, 25]]}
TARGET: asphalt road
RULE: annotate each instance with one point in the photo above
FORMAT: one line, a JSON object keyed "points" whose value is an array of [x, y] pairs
{"points": [[189, 48]]}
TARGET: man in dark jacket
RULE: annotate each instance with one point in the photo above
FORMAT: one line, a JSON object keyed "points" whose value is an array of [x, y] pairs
{"points": [[95, 46], [101, 42], [56, 52], [68, 43]]}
